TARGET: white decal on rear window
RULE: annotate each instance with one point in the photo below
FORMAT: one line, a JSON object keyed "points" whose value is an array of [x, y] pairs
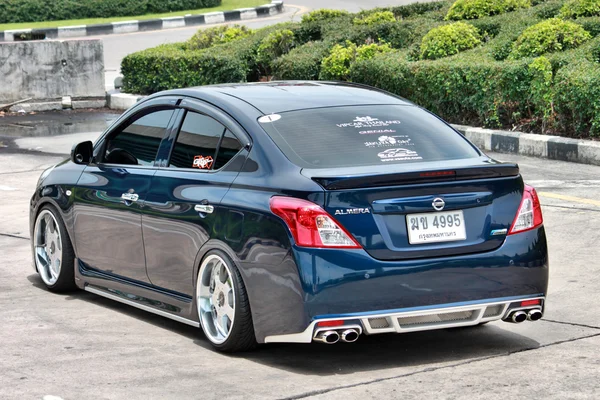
{"points": [[269, 118], [377, 131], [367, 122], [389, 141], [399, 155]]}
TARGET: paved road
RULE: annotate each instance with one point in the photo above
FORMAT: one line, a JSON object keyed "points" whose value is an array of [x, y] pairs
{"points": [[82, 346], [116, 47]]}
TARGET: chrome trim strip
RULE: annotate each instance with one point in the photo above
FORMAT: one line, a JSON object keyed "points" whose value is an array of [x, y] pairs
{"points": [[141, 306], [307, 335]]}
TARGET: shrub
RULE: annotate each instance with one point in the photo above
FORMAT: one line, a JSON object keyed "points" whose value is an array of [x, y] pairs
{"points": [[206, 38], [43, 10], [548, 36], [337, 64], [590, 24], [577, 99], [542, 89], [171, 66], [461, 91], [323, 15], [302, 63], [580, 8], [273, 46], [472, 9], [413, 9], [448, 40], [375, 18], [549, 9]]}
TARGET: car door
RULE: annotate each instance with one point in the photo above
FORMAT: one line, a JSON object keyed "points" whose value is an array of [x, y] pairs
{"points": [[183, 205], [110, 193]]}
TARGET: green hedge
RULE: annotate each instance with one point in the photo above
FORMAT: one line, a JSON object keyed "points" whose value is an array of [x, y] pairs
{"points": [[12, 11], [302, 63], [558, 92]]}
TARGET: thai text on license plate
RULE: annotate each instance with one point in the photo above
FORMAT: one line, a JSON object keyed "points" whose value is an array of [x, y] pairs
{"points": [[436, 227]]}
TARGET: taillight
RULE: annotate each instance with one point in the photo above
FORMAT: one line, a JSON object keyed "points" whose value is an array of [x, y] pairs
{"points": [[530, 212], [310, 225]]}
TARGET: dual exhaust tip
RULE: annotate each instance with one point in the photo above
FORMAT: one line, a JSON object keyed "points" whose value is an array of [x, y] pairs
{"points": [[332, 337], [520, 316]]}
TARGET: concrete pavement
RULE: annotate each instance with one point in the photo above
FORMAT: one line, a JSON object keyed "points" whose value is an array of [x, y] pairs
{"points": [[83, 346]]}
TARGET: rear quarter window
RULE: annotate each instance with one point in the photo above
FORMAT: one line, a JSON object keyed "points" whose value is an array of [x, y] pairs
{"points": [[365, 136]]}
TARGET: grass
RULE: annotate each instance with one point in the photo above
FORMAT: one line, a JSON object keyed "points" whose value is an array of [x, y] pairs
{"points": [[226, 5]]}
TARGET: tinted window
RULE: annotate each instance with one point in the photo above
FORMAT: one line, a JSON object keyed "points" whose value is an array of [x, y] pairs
{"points": [[229, 147], [137, 143], [365, 135], [197, 143]]}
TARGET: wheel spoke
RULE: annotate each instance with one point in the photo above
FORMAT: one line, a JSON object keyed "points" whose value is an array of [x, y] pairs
{"points": [[228, 311]]}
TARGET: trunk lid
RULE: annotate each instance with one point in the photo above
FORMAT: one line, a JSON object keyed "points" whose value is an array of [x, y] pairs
{"points": [[480, 201]]}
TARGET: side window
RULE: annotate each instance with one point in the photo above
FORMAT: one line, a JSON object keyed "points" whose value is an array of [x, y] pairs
{"points": [[198, 142], [229, 147], [138, 142]]}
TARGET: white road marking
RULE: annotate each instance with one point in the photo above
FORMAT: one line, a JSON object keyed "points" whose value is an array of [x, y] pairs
{"points": [[7, 188]]}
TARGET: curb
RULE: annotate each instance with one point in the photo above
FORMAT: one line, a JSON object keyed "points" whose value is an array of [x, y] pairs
{"points": [[62, 32], [57, 105], [115, 100], [533, 145]]}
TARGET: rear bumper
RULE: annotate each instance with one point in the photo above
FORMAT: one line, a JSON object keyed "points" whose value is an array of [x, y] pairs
{"points": [[333, 283], [416, 319]]}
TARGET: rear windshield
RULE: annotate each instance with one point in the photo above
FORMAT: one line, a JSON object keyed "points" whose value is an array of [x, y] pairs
{"points": [[364, 135]]}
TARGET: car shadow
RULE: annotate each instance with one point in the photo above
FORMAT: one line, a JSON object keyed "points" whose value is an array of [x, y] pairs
{"points": [[369, 353]]}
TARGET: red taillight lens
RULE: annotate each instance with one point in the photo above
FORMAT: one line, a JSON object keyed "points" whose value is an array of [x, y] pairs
{"points": [[310, 225], [329, 324], [529, 215], [528, 303]]}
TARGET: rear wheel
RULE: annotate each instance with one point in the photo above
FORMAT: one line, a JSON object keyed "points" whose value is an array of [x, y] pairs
{"points": [[52, 251], [223, 306]]}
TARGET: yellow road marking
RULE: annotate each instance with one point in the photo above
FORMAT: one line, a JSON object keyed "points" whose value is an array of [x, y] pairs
{"points": [[570, 198]]}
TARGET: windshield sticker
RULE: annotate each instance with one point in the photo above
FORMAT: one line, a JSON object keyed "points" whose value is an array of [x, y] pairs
{"points": [[399, 155], [368, 122], [203, 162], [389, 141]]}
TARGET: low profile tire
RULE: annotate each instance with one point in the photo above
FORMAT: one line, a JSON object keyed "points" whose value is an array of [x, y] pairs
{"points": [[223, 306], [52, 251]]}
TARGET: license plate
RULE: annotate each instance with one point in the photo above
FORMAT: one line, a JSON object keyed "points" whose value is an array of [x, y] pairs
{"points": [[436, 227]]}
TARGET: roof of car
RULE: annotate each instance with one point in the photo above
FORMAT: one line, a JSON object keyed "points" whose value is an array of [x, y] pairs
{"points": [[281, 96]]}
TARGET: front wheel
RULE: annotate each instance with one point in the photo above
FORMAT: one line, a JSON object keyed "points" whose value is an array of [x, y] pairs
{"points": [[223, 306], [52, 251]]}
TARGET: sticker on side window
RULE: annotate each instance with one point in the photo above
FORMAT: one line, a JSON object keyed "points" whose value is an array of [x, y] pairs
{"points": [[203, 162]]}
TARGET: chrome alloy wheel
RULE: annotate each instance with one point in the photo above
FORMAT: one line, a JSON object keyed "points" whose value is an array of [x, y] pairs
{"points": [[215, 298], [48, 247]]}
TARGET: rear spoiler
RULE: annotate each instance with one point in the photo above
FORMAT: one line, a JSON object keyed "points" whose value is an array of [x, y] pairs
{"points": [[426, 176]]}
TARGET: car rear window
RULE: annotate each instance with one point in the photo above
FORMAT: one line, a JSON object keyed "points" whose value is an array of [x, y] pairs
{"points": [[364, 135]]}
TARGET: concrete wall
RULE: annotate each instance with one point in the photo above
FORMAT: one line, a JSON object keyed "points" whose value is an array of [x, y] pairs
{"points": [[51, 69]]}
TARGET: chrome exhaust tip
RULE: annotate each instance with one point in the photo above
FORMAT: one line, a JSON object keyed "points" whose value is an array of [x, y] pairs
{"points": [[518, 317], [327, 337], [534, 315], [349, 335]]}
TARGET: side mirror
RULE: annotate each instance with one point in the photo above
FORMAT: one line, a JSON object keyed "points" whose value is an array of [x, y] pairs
{"points": [[82, 153]]}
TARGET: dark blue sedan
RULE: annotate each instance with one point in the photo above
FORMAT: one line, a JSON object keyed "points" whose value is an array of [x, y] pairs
{"points": [[292, 212]]}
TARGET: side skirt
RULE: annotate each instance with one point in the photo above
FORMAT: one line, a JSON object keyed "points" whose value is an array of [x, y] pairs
{"points": [[170, 305], [156, 311]]}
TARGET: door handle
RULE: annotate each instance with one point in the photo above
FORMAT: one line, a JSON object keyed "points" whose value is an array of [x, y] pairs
{"points": [[204, 208], [130, 197]]}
